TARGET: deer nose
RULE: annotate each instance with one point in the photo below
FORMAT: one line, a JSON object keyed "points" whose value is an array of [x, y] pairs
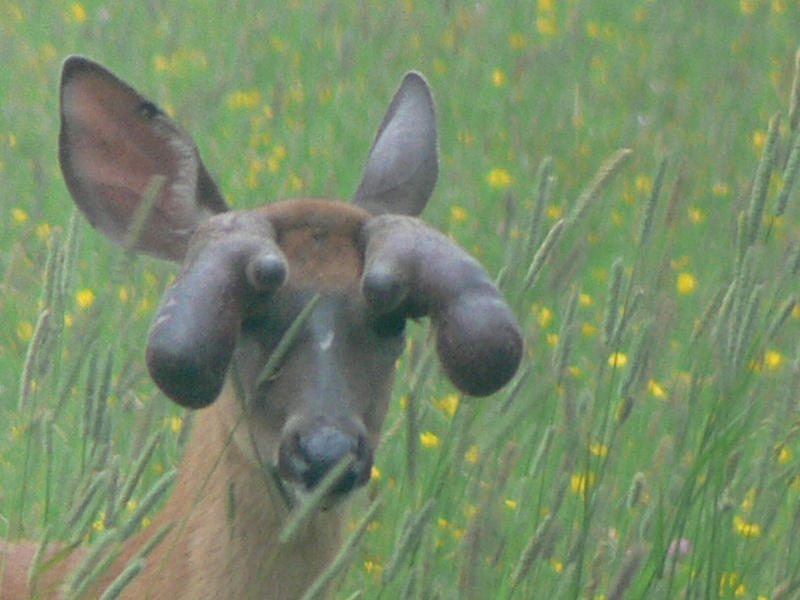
{"points": [[306, 456]]}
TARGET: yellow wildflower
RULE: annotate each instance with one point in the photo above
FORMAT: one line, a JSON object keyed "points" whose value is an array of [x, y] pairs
{"points": [[643, 183], [499, 178], [759, 139], [458, 214], [746, 528], [553, 212], [581, 482], [448, 404], [429, 439], [543, 315], [598, 449], [656, 389], [618, 359], [686, 284], [19, 215], [773, 360], [77, 12], [696, 215], [100, 524], [588, 329], [85, 298], [498, 78], [243, 99]]}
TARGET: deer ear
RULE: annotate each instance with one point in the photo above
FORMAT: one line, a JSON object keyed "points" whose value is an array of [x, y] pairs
{"points": [[134, 173], [403, 164]]}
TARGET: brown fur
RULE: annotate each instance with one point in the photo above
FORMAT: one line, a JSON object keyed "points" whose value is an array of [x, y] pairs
{"points": [[227, 517], [320, 241], [215, 549]]}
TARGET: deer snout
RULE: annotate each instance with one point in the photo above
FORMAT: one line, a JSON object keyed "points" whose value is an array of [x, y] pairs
{"points": [[308, 453]]}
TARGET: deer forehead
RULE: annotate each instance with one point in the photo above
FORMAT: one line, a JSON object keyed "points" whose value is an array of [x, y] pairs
{"points": [[321, 242]]}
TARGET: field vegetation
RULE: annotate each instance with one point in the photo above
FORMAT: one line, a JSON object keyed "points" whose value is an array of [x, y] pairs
{"points": [[626, 169]]}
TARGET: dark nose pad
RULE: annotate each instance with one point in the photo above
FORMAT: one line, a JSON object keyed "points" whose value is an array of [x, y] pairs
{"points": [[308, 454]]}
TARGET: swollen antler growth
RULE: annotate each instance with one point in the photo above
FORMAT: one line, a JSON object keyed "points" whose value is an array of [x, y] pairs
{"points": [[356, 272]]}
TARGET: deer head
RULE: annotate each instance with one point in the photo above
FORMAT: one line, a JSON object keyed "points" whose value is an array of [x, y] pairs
{"points": [[246, 275]]}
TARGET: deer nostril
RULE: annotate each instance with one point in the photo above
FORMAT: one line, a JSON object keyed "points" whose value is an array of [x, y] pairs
{"points": [[307, 458]]}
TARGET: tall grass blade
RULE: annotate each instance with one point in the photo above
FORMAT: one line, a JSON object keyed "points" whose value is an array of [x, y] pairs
{"points": [[532, 551], [646, 223], [409, 538], [136, 472], [793, 261], [605, 174], [82, 510], [39, 556], [544, 190], [758, 196], [789, 178], [629, 311], [311, 505], [343, 558], [147, 503], [32, 356], [782, 315], [631, 564], [639, 355], [744, 335], [542, 451], [613, 304], [543, 253], [712, 310], [794, 97], [563, 349], [143, 213], [134, 566], [70, 254], [122, 581], [286, 342], [80, 579]]}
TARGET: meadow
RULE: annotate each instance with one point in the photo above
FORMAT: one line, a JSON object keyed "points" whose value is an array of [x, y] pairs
{"points": [[626, 170]]}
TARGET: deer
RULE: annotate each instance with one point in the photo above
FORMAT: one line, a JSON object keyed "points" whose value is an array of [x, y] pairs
{"points": [[356, 271]]}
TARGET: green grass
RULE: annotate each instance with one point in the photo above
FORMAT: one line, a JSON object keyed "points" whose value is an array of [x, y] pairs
{"points": [[578, 479]]}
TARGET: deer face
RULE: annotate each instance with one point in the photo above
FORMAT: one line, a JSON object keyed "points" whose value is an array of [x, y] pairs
{"points": [[343, 278], [327, 396]]}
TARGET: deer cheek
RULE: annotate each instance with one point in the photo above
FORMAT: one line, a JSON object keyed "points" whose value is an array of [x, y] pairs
{"points": [[479, 344]]}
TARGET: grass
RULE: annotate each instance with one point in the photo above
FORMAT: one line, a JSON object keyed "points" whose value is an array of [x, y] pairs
{"points": [[649, 447]]}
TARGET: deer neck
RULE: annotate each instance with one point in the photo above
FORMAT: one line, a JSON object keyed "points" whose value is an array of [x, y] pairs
{"points": [[227, 515]]}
